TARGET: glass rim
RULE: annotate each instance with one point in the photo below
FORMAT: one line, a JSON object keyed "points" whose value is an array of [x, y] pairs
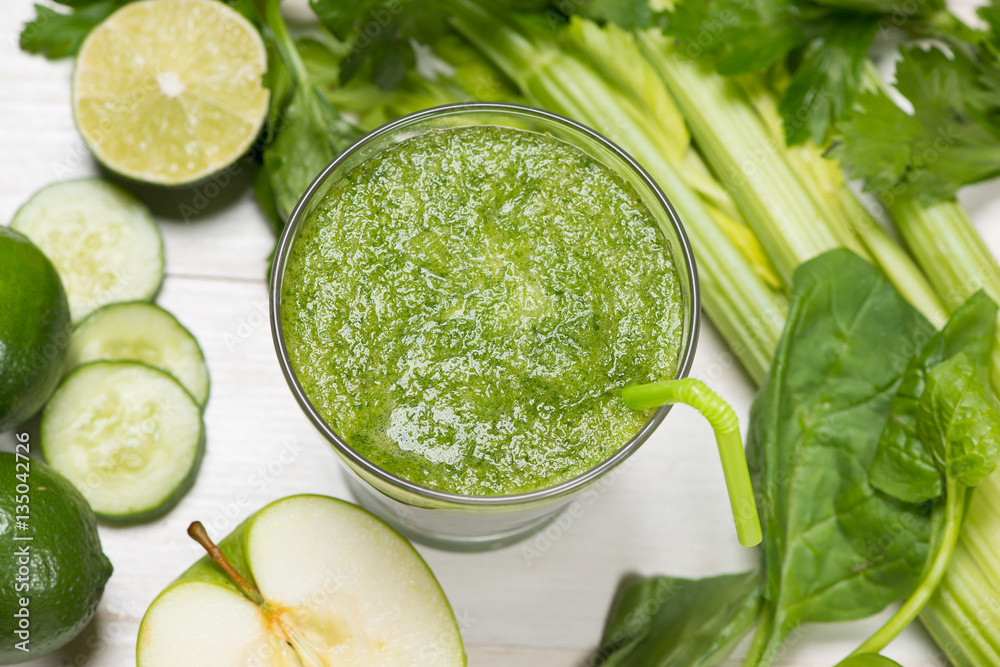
{"points": [[566, 486]]}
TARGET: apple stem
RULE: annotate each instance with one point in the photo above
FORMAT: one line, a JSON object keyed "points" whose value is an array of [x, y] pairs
{"points": [[200, 535]]}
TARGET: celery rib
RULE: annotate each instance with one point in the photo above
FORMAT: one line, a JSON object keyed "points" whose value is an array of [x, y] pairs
{"points": [[746, 159], [981, 529], [962, 614], [954, 631], [946, 245]]}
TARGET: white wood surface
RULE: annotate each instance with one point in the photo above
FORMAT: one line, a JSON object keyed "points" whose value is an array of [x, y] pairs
{"points": [[667, 513]]}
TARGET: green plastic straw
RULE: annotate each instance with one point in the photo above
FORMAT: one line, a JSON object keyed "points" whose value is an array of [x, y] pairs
{"points": [[727, 435]]}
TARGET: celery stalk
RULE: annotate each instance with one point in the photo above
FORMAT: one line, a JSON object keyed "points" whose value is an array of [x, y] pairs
{"points": [[955, 630], [794, 198], [749, 162], [824, 180], [748, 313], [963, 614], [616, 55], [947, 247], [981, 530], [945, 242]]}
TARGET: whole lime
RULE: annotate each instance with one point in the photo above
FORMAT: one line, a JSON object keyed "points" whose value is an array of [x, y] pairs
{"points": [[34, 328], [53, 570]]}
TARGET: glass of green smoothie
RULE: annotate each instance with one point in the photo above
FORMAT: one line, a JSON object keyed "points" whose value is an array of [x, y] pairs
{"points": [[457, 301]]}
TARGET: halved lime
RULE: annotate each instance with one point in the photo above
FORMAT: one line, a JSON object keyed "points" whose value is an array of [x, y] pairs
{"points": [[169, 91]]}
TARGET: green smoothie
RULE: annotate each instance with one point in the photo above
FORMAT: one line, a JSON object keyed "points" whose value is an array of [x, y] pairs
{"points": [[464, 308]]}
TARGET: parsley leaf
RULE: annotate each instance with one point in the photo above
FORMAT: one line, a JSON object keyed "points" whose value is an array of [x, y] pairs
{"points": [[990, 15], [822, 43], [56, 35], [829, 48], [824, 83], [382, 33], [310, 135], [876, 141], [951, 139], [741, 36], [303, 132], [625, 13], [379, 32]]}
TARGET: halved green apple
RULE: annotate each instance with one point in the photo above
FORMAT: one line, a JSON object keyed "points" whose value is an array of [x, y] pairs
{"points": [[307, 581]]}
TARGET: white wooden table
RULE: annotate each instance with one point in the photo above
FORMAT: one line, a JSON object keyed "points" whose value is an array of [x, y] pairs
{"points": [[543, 606]]}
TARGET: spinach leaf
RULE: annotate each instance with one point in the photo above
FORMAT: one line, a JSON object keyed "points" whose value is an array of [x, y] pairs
{"points": [[673, 622], [903, 467], [959, 420], [835, 548]]}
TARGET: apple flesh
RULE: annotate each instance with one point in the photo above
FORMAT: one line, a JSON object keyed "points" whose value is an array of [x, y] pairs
{"points": [[337, 586]]}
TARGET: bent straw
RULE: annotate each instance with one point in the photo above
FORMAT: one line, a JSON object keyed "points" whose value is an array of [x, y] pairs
{"points": [[727, 435]]}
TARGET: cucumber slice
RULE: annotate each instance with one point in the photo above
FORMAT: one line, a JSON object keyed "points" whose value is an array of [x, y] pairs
{"points": [[141, 331], [127, 435], [103, 242]]}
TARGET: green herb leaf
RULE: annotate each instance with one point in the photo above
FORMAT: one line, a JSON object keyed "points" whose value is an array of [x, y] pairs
{"points": [[824, 44], [265, 197], [304, 130], [628, 14], [959, 420], [673, 622], [379, 32], [876, 141], [952, 138], [322, 63], [814, 431], [56, 35], [741, 36], [310, 135], [890, 7], [990, 15], [824, 84], [903, 467]]}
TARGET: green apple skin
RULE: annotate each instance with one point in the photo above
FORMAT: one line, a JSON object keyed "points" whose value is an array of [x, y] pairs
{"points": [[236, 547]]}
